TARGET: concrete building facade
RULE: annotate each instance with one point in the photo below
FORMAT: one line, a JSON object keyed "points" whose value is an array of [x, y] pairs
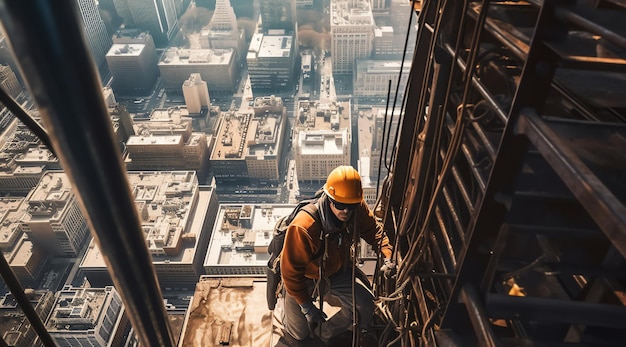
{"points": [[133, 62], [159, 17], [371, 78], [166, 141], [9, 82], [278, 14], [217, 67], [196, 94], [98, 40], [352, 33], [270, 62], [53, 220], [15, 328], [25, 258], [176, 216], [87, 317], [222, 32], [322, 139], [249, 146], [240, 238]]}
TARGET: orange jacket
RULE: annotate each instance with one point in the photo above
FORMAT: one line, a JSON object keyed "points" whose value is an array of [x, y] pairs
{"points": [[302, 242]]}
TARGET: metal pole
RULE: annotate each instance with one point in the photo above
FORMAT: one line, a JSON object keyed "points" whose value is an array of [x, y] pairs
{"points": [[47, 39]]}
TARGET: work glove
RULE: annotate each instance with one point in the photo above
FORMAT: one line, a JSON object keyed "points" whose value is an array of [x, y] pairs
{"points": [[313, 315], [388, 268]]}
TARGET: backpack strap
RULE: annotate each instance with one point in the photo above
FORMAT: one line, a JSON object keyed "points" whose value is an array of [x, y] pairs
{"points": [[312, 210]]}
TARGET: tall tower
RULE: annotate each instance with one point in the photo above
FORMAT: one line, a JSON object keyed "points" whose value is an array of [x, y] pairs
{"points": [[352, 33], [279, 14], [222, 31], [224, 18], [9, 82], [196, 93], [96, 34], [157, 16]]}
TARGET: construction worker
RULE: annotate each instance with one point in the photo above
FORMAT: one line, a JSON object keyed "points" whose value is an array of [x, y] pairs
{"points": [[306, 273]]}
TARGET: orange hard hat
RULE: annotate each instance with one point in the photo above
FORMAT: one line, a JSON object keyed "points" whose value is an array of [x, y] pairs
{"points": [[344, 185]]}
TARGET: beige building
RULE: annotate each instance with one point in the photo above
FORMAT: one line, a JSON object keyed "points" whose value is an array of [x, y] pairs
{"points": [[196, 94], [88, 317], [176, 216], [322, 139], [9, 82], [240, 238], [217, 67], [270, 61], [166, 141], [223, 31], [133, 63], [53, 219], [371, 78], [249, 146], [15, 329], [26, 259], [352, 33]]}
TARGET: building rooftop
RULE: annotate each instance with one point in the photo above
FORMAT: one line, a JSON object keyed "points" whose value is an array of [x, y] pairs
{"points": [[77, 309], [14, 327], [155, 140], [11, 213], [21, 256], [166, 202], [126, 49], [241, 235], [323, 142], [313, 115], [382, 66], [244, 134], [343, 13], [183, 56], [50, 196], [275, 46], [233, 308]]}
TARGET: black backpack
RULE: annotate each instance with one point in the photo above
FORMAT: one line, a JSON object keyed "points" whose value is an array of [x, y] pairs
{"points": [[276, 245]]}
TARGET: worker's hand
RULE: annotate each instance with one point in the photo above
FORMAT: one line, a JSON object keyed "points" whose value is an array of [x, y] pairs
{"points": [[388, 268], [313, 316]]}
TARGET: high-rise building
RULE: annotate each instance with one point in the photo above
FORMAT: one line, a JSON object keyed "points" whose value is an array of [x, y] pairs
{"points": [[388, 44], [248, 146], [26, 259], [217, 67], [371, 78], [9, 82], [53, 219], [159, 17], [15, 329], [166, 141], [240, 238], [96, 34], [223, 32], [270, 62], [88, 317], [352, 33], [196, 94], [380, 132], [133, 62], [176, 216], [6, 56], [323, 140], [278, 14]]}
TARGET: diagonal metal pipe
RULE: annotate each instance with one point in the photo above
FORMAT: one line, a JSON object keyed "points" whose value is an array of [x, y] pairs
{"points": [[47, 39]]}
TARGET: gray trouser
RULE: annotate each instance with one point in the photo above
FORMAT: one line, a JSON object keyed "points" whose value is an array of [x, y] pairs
{"points": [[339, 300]]}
